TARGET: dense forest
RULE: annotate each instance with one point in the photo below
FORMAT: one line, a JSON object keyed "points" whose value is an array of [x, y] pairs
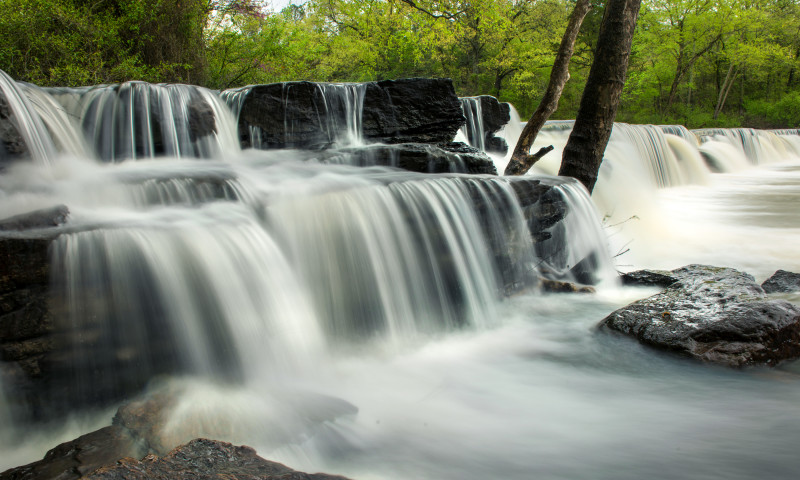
{"points": [[696, 62]]}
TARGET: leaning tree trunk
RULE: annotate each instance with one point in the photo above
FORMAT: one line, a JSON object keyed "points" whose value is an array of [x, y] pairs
{"points": [[725, 90], [587, 142], [521, 160]]}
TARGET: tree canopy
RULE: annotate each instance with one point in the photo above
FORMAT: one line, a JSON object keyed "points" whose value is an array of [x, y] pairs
{"points": [[695, 62]]}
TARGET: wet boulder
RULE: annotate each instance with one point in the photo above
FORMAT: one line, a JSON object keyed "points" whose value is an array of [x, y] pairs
{"points": [[70, 460], [648, 278], [203, 458], [716, 315], [306, 115], [783, 282]]}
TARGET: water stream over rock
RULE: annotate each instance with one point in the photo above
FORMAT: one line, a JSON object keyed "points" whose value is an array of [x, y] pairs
{"points": [[371, 321]]}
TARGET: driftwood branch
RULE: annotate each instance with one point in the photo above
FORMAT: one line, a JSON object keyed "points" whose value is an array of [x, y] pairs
{"points": [[521, 160]]}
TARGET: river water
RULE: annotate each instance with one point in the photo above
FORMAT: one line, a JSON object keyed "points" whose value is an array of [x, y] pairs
{"points": [[351, 354]]}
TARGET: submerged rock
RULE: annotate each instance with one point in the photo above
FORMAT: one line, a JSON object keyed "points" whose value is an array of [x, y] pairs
{"points": [[717, 315], [783, 282], [48, 217], [557, 286]]}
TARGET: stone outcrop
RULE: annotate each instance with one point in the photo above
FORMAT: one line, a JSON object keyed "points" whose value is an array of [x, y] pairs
{"points": [[453, 157], [204, 459], [12, 145], [73, 459], [308, 115], [139, 432], [717, 315], [493, 115], [26, 320], [112, 453], [783, 282]]}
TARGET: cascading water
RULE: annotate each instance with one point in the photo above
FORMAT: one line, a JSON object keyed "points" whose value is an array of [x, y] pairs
{"points": [[473, 128], [352, 320], [137, 120], [17, 107]]}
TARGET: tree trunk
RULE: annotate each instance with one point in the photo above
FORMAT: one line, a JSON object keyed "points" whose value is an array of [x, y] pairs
{"points": [[587, 142], [725, 90], [521, 160]]}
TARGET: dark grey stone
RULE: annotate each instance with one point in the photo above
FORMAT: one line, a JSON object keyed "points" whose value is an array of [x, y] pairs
{"points": [[717, 315]]}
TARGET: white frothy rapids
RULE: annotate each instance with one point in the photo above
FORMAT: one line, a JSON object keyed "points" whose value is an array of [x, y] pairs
{"points": [[347, 320]]}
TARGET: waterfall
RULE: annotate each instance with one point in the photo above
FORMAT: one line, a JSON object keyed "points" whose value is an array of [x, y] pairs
{"points": [[264, 275], [681, 131], [635, 153], [374, 322], [18, 109], [473, 128], [137, 120]]}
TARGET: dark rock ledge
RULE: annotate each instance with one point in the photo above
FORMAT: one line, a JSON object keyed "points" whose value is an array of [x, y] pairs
{"points": [[716, 315], [138, 432]]}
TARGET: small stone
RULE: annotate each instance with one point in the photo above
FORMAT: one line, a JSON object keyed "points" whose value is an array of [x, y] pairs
{"points": [[782, 282]]}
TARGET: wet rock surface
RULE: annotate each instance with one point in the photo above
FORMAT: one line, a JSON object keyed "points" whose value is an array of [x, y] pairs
{"points": [[204, 459], [648, 278], [12, 145], [73, 459], [494, 115], [452, 157], [140, 431], [48, 217], [717, 315], [26, 320], [307, 115], [782, 282]]}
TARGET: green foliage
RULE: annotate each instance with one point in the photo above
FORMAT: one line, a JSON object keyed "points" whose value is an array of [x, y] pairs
{"points": [[696, 62], [774, 114]]}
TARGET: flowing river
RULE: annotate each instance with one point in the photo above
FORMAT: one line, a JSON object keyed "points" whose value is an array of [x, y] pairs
{"points": [[319, 321]]}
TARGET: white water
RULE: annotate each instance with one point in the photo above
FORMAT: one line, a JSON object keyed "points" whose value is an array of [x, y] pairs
{"points": [[524, 389]]}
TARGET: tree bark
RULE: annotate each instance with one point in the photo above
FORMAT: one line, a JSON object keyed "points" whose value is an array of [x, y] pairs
{"points": [[587, 142], [521, 160], [725, 90]]}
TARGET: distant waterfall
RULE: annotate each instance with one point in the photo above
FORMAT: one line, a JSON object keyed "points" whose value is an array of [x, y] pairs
{"points": [[641, 153]]}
